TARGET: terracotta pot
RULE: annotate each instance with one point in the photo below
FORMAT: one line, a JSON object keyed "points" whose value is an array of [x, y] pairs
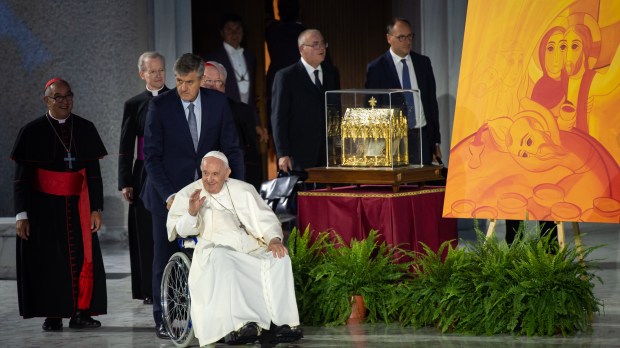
{"points": [[358, 310]]}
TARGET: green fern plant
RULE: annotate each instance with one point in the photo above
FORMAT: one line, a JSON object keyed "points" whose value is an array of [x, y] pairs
{"points": [[367, 267], [306, 252], [491, 288]]}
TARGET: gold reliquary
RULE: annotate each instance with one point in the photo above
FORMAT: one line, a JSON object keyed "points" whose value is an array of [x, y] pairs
{"points": [[367, 136]]}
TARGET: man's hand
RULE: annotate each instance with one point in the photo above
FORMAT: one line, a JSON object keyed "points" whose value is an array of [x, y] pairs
{"points": [[277, 248], [169, 202], [22, 228], [195, 202], [95, 221], [285, 164], [128, 194], [263, 135], [437, 154]]}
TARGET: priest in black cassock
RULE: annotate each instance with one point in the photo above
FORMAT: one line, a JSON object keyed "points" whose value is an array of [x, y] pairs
{"points": [[58, 194], [131, 174]]}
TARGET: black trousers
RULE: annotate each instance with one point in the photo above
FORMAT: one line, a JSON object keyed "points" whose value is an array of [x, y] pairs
{"points": [[415, 138], [162, 251]]}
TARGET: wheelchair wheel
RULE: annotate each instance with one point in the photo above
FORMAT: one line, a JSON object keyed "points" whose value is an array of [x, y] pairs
{"points": [[175, 299]]}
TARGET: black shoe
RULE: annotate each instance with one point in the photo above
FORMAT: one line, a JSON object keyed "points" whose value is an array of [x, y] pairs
{"points": [[82, 320], [147, 300], [52, 324], [161, 332], [286, 334], [247, 334]]}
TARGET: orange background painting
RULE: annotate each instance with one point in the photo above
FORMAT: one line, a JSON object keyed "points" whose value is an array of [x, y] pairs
{"points": [[537, 124]]}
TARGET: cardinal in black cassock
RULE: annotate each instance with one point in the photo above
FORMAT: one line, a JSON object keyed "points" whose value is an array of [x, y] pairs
{"points": [[58, 194]]}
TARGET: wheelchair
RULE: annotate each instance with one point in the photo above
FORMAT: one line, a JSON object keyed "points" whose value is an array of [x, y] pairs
{"points": [[176, 302]]}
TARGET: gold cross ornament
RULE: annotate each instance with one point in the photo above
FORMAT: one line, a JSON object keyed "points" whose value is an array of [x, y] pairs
{"points": [[372, 101]]}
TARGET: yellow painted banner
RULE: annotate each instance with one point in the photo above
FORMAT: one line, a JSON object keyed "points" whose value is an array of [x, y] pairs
{"points": [[537, 123]]}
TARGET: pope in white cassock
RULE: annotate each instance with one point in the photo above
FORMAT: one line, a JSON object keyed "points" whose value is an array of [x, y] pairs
{"points": [[240, 280]]}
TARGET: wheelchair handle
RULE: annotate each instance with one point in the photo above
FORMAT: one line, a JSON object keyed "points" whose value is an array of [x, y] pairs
{"points": [[187, 243]]}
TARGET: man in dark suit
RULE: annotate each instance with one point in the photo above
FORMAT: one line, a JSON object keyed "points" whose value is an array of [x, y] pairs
{"points": [[238, 61], [241, 65], [386, 72], [131, 174], [298, 105], [182, 125]]}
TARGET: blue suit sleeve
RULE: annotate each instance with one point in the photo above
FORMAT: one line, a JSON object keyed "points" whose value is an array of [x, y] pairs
{"points": [[154, 153]]}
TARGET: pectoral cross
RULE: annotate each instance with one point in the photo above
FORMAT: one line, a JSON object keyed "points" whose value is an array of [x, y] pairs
{"points": [[69, 160]]}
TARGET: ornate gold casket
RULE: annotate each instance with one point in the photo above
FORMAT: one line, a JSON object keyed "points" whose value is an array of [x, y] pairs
{"points": [[373, 136]]}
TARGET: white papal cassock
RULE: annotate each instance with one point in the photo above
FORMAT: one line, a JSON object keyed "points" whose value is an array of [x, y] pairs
{"points": [[233, 279]]}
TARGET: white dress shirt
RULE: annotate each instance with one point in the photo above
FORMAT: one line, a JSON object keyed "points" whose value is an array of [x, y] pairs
{"points": [[311, 70], [240, 70], [420, 118], [197, 111]]}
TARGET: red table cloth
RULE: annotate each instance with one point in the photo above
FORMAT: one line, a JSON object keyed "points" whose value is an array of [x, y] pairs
{"points": [[411, 216]]}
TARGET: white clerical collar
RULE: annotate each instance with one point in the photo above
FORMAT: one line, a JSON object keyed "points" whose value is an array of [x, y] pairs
{"points": [[59, 120], [155, 93], [310, 69], [231, 50]]}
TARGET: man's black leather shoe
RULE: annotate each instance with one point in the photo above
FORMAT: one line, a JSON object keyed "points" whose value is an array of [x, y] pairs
{"points": [[82, 320], [52, 324], [286, 334], [147, 300], [248, 333], [161, 332]]}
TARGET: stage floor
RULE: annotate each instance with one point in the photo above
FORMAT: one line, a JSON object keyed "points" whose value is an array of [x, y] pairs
{"points": [[130, 324]]}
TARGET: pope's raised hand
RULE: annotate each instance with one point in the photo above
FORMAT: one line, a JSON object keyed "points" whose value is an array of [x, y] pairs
{"points": [[195, 202]]}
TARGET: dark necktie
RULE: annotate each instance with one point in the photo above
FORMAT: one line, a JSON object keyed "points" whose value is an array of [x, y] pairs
{"points": [[193, 127], [317, 80], [408, 95]]}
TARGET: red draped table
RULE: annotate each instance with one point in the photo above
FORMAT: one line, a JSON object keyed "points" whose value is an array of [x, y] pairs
{"points": [[409, 217]]}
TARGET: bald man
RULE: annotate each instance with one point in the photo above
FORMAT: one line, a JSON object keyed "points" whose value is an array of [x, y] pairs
{"points": [[298, 106]]}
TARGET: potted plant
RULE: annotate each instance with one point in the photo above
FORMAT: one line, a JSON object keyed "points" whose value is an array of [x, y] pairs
{"points": [[367, 268]]}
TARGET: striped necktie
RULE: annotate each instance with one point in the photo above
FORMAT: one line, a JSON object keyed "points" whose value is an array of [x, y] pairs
{"points": [[193, 126]]}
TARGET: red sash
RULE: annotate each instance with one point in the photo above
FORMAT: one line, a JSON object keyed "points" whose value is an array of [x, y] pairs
{"points": [[73, 184]]}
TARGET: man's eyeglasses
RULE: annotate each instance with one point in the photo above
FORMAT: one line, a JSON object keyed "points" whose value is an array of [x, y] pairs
{"points": [[402, 38], [217, 83], [62, 98], [317, 45]]}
